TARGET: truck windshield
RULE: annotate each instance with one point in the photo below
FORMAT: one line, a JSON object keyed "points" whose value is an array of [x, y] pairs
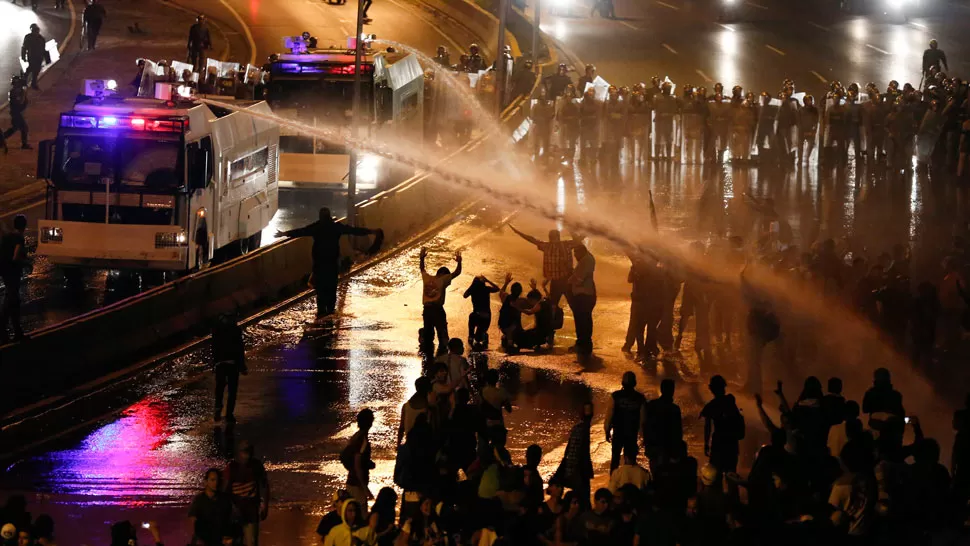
{"points": [[324, 100], [87, 160]]}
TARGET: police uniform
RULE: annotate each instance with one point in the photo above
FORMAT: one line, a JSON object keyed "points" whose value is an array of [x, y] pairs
{"points": [[590, 113]]}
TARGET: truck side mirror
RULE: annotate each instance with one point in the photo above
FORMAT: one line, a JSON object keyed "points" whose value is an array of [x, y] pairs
{"points": [[45, 157]]}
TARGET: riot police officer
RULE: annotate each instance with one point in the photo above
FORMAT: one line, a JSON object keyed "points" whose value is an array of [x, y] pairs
{"points": [[557, 83], [569, 121], [720, 123], [807, 117], [199, 41], [766, 126], [641, 111], [18, 104], [693, 123], [543, 115], [665, 109], [853, 122], [934, 57], [590, 114], [835, 119], [874, 125], [442, 57], [786, 122], [476, 62], [587, 78], [615, 118], [743, 123], [34, 52]]}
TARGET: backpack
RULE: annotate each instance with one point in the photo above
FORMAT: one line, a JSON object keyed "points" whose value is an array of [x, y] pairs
{"points": [[347, 455]]}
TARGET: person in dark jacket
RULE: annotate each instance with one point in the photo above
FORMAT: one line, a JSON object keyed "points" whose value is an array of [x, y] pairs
{"points": [[663, 428], [624, 419], [34, 53], [229, 360], [576, 468], [18, 105], [326, 234], [94, 16], [199, 41]]}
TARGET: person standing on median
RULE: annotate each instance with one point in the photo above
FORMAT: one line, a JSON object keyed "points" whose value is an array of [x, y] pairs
{"points": [[326, 233], [229, 360], [94, 16], [13, 258], [199, 41], [34, 53]]}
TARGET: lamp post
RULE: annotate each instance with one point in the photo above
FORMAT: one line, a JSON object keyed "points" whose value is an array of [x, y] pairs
{"points": [[355, 117], [500, 65]]}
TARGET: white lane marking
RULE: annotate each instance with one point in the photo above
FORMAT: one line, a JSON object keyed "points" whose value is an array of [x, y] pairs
{"points": [[819, 76], [666, 5], [436, 27], [722, 25], [628, 25], [883, 51], [670, 49], [759, 6], [820, 27], [775, 49], [701, 73], [919, 25], [246, 31]]}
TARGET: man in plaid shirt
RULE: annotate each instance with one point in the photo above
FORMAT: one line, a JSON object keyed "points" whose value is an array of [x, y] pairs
{"points": [[557, 261]]}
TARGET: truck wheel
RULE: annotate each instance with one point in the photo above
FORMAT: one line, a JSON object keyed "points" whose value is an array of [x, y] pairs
{"points": [[251, 243]]}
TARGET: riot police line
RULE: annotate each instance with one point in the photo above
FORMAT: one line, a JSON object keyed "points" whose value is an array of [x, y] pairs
{"points": [[593, 122]]}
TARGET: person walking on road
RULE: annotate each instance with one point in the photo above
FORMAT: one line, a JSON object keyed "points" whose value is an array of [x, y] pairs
{"points": [[582, 299], [229, 360], [326, 233], [576, 468], [435, 318], [18, 105], [355, 457], [13, 258], [246, 482], [199, 42], [210, 514], [934, 57], [93, 18], [625, 416], [34, 53]]}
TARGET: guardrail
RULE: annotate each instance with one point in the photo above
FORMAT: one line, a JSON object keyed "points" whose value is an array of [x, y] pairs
{"points": [[478, 20]]}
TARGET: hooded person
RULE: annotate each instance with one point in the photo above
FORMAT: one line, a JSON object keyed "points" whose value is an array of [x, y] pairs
{"points": [[350, 532]]}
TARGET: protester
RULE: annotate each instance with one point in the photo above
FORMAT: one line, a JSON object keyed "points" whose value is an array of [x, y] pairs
{"points": [[356, 459], [229, 361], [435, 318], [210, 514], [248, 486], [582, 299], [625, 418]]}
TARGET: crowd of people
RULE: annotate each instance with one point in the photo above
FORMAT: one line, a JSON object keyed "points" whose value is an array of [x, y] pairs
{"points": [[595, 122]]}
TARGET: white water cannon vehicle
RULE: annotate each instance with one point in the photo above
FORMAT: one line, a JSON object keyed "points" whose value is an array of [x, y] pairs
{"points": [[316, 87], [163, 184]]}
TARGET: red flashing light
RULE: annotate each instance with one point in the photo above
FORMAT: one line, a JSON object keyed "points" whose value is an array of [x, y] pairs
{"points": [[138, 124]]}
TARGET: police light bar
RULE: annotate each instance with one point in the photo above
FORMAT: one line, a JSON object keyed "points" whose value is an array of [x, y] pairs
{"points": [[131, 123], [327, 69]]}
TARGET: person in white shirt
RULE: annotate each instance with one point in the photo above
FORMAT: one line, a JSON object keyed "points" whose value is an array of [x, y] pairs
{"points": [[629, 472]]}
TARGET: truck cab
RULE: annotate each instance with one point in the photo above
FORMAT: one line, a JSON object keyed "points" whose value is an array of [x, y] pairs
{"points": [[152, 184]]}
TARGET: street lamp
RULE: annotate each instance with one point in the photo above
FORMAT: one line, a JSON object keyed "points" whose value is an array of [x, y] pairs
{"points": [[355, 118]]}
